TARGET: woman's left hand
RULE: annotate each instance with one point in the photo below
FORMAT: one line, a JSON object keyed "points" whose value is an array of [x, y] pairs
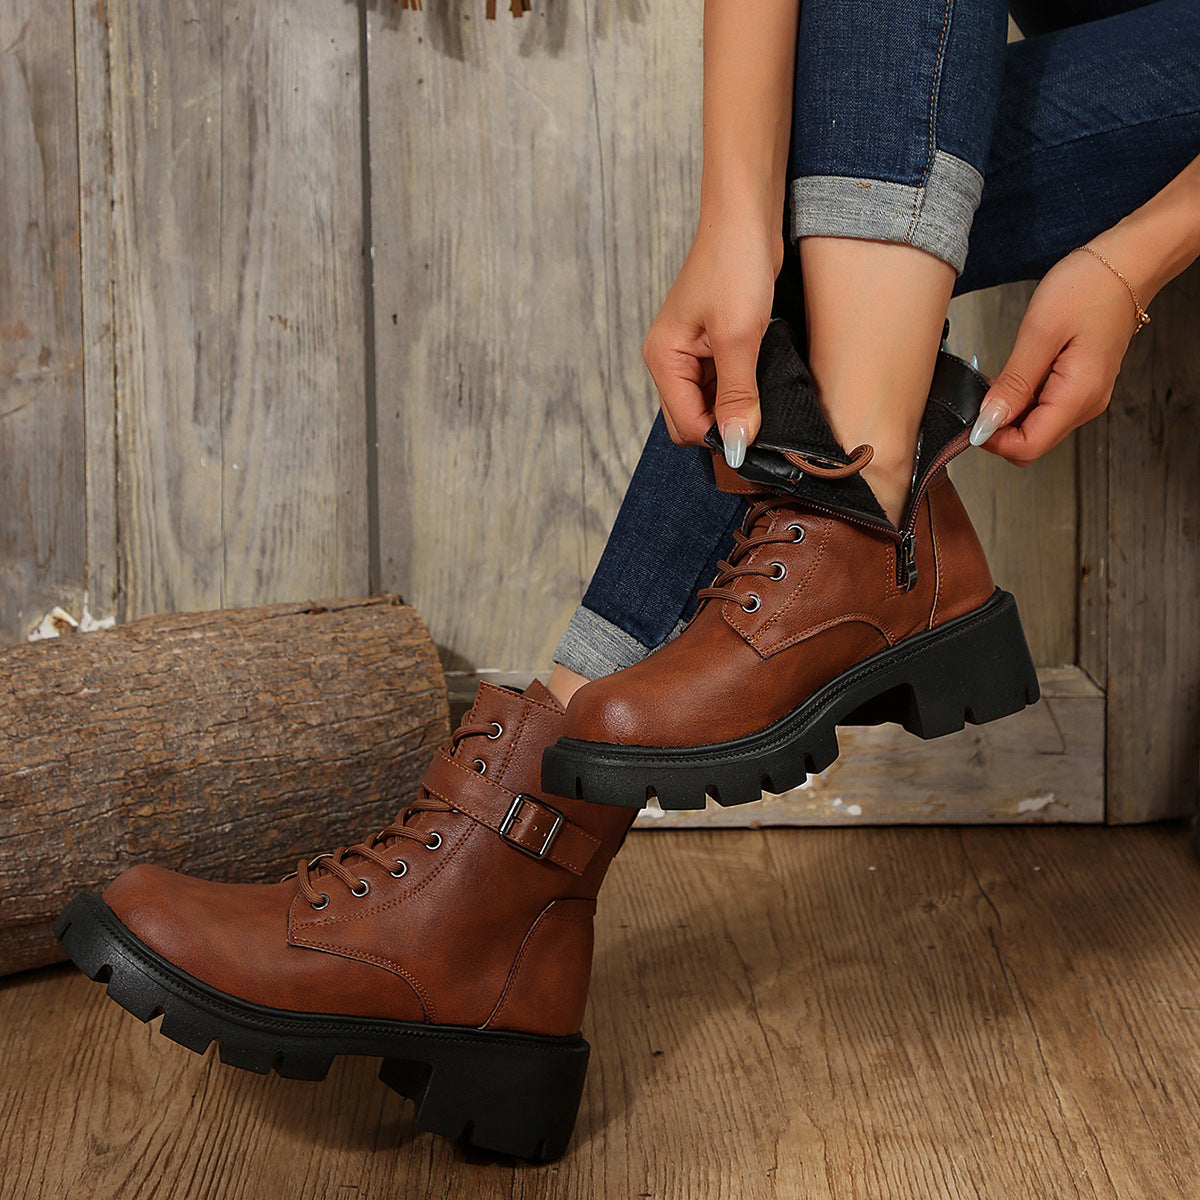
{"points": [[1065, 361]]}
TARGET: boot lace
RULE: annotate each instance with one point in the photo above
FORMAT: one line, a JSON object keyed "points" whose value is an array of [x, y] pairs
{"points": [[746, 540], [333, 862], [735, 567]]}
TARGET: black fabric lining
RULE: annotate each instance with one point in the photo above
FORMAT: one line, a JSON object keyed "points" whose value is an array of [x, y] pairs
{"points": [[792, 420]]}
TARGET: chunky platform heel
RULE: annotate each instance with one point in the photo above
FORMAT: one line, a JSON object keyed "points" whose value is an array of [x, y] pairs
{"points": [[514, 1097], [972, 671], [974, 668]]}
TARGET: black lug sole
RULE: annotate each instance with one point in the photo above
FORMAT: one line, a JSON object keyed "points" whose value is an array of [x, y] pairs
{"points": [[508, 1093], [973, 669]]}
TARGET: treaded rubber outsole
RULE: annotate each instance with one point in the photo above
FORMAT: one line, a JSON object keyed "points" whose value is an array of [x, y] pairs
{"points": [[972, 669], [508, 1093]]}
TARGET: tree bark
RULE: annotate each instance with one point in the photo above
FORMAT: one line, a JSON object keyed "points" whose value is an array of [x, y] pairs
{"points": [[224, 744]]}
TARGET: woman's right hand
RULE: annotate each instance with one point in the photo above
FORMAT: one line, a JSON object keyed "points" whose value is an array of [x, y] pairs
{"points": [[702, 348]]}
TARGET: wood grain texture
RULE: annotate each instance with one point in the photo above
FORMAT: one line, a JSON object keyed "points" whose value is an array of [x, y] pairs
{"points": [[1154, 565], [42, 513], [224, 744], [238, 301], [533, 187], [1092, 473], [966, 1014], [1027, 519], [94, 100]]}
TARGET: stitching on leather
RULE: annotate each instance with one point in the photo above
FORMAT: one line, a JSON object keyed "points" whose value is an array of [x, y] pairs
{"points": [[937, 551], [511, 978], [546, 915], [863, 618], [755, 639], [387, 964], [793, 598]]}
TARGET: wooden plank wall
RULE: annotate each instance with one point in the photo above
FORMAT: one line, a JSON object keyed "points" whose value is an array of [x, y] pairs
{"points": [[218, 456], [238, 301], [1140, 555], [42, 508]]}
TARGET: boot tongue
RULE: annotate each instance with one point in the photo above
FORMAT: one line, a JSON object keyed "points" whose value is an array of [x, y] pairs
{"points": [[540, 694]]}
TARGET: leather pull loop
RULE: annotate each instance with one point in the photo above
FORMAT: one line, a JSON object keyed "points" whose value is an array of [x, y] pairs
{"points": [[859, 458], [525, 822]]}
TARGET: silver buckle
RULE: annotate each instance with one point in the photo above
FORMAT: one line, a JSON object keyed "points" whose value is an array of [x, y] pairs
{"points": [[514, 812]]}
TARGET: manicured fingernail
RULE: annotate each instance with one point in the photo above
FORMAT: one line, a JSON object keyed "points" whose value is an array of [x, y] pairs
{"points": [[733, 434], [974, 362], [991, 416]]}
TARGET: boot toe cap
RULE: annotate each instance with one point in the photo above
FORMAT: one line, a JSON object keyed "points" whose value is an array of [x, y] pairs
{"points": [[607, 711]]}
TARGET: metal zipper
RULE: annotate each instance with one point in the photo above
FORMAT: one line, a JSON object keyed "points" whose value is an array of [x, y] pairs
{"points": [[905, 539]]}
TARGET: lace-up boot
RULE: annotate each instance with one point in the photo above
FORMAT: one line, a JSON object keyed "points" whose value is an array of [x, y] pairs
{"points": [[824, 614], [456, 944]]}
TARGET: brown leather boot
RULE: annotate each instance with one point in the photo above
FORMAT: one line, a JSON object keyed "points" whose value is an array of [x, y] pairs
{"points": [[456, 945], [825, 614]]}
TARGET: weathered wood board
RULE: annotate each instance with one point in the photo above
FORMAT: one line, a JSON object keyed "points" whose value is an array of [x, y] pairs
{"points": [[1149, 482], [227, 745], [1027, 519], [42, 508], [231, 247], [533, 189]]}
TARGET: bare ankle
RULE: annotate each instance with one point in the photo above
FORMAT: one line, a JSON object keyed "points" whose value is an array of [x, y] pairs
{"points": [[564, 683]]}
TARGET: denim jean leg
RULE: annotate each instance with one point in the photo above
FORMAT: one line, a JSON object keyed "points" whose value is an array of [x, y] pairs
{"points": [[893, 112], [671, 530], [1093, 119]]}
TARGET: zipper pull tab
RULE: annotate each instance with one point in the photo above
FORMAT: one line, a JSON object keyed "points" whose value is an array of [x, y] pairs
{"points": [[906, 561]]}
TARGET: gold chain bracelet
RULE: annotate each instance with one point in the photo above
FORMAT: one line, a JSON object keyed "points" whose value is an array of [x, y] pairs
{"points": [[1143, 317]]}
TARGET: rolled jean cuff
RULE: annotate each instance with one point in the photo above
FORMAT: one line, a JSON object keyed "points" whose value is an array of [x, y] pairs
{"points": [[934, 216], [594, 647]]}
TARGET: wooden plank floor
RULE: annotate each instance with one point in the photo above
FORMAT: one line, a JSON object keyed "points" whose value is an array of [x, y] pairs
{"points": [[879, 1013]]}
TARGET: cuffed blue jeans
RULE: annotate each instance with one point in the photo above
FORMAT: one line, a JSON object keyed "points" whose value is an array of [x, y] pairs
{"points": [[915, 122]]}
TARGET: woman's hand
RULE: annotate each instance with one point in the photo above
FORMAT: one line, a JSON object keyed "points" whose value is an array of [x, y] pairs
{"points": [[702, 348], [1065, 361]]}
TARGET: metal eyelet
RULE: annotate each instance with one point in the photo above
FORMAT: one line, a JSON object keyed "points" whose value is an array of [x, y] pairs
{"points": [[366, 887], [499, 731], [797, 532], [480, 765], [400, 874], [324, 901], [752, 608], [779, 572], [435, 840]]}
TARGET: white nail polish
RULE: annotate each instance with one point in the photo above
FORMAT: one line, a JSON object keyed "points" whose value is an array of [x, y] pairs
{"points": [[991, 417], [974, 363], [733, 434]]}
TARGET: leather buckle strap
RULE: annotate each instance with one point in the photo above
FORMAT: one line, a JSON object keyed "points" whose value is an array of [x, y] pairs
{"points": [[515, 812], [524, 822]]}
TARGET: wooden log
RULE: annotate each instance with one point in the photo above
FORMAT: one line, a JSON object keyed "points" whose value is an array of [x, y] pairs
{"points": [[225, 744]]}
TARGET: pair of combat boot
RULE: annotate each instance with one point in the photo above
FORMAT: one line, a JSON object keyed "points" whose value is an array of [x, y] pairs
{"points": [[456, 944]]}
